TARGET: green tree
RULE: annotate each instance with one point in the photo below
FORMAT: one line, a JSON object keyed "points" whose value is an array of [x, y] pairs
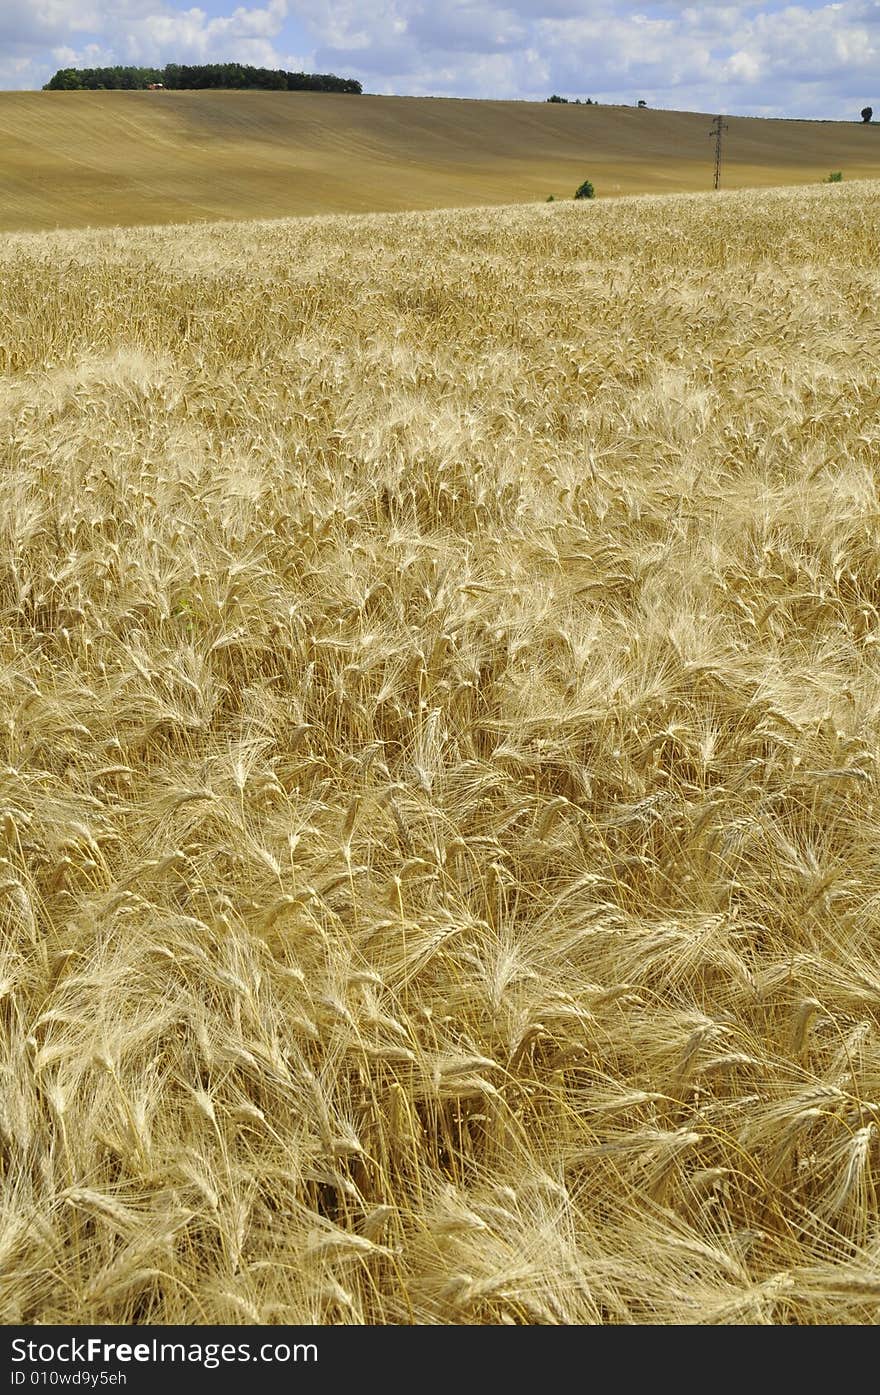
{"points": [[65, 80], [197, 76]]}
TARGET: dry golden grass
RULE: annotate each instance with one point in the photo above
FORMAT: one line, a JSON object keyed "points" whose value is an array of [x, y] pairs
{"points": [[96, 159], [440, 708]]}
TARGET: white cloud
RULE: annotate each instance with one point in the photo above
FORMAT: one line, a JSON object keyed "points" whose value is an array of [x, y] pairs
{"points": [[40, 35], [744, 66], [193, 36], [799, 59]]}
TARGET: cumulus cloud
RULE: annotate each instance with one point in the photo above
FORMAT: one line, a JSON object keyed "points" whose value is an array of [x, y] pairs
{"points": [[805, 58], [195, 37], [39, 36]]}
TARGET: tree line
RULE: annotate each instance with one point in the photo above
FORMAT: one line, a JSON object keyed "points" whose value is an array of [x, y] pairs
{"points": [[189, 77]]}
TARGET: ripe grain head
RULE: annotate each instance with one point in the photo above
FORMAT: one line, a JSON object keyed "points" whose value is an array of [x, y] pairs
{"points": [[438, 734]]}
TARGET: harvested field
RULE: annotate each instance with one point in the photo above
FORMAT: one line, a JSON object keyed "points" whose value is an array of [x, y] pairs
{"points": [[96, 159], [439, 721]]}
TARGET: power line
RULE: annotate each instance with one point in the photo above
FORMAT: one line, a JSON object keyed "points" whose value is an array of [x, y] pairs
{"points": [[718, 125]]}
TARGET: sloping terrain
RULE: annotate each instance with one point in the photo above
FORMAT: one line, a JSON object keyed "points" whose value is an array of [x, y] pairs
{"points": [[74, 159], [439, 729]]}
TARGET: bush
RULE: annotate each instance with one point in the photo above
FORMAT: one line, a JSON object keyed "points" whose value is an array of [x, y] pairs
{"points": [[866, 113], [835, 177], [551, 198], [554, 98], [586, 191]]}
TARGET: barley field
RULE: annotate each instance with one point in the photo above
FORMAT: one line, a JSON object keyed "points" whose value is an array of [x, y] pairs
{"points": [[439, 720]]}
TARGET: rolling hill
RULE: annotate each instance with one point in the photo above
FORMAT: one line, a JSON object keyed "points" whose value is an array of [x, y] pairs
{"points": [[70, 159]]}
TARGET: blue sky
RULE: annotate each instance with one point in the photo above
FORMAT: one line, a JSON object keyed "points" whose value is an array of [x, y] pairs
{"points": [[761, 57]]}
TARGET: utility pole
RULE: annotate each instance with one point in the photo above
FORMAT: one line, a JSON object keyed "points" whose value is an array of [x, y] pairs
{"points": [[718, 125]]}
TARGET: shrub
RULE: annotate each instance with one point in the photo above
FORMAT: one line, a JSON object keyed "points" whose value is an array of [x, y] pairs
{"points": [[554, 98], [586, 191], [835, 177], [866, 113], [551, 198]]}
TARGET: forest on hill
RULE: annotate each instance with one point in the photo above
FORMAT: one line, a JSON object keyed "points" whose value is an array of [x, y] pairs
{"points": [[192, 77]]}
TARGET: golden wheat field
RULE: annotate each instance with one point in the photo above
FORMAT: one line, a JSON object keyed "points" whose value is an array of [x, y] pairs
{"points": [[439, 720]]}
